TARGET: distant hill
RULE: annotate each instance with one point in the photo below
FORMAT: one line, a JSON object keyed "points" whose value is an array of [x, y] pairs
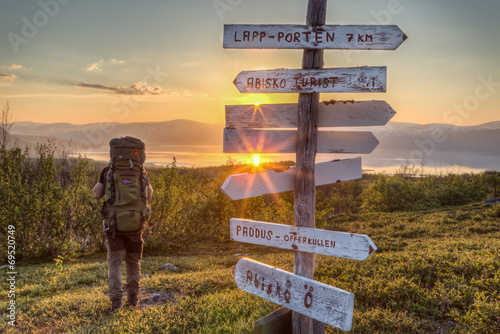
{"points": [[98, 135], [434, 144]]}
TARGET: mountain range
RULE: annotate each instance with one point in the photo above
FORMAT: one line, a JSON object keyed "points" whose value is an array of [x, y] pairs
{"points": [[435, 144]]}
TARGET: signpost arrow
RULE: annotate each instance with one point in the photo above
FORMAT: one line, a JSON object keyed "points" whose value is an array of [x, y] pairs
{"points": [[352, 37], [303, 239], [326, 80], [319, 301], [248, 185], [331, 114], [285, 141]]}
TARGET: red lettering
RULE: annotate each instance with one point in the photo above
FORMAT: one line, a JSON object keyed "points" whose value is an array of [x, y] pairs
{"points": [[360, 38], [350, 37], [333, 80], [238, 229], [307, 33], [269, 235], [262, 35], [319, 36], [283, 83], [235, 39], [280, 36], [246, 35], [369, 37], [250, 82], [288, 38], [249, 276], [255, 34], [329, 38], [296, 37]]}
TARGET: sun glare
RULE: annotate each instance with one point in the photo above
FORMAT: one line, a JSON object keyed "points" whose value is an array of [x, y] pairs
{"points": [[256, 160]]}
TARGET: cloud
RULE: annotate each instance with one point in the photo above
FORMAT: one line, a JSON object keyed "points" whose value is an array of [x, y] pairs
{"points": [[7, 76], [138, 88], [98, 65], [95, 66], [117, 61], [16, 66]]}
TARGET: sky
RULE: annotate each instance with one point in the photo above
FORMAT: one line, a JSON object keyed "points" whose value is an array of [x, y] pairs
{"points": [[158, 60]]}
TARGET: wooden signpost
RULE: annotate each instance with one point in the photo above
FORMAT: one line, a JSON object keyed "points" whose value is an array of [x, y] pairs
{"points": [[327, 80], [246, 131], [285, 141], [359, 37], [303, 239], [318, 301], [331, 114], [248, 185]]}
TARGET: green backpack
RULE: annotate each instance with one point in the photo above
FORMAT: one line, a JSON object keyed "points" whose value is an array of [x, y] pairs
{"points": [[126, 207]]}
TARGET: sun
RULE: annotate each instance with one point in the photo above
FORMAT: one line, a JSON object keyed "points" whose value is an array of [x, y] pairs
{"points": [[256, 160]]}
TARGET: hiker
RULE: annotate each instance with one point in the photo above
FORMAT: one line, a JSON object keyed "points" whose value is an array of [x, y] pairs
{"points": [[127, 193]]}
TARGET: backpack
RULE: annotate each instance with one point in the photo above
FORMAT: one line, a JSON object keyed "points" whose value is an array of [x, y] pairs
{"points": [[126, 208]]}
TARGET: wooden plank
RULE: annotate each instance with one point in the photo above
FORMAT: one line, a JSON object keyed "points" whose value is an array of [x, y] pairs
{"points": [[305, 190], [292, 36], [327, 80], [317, 300], [331, 114], [280, 321], [240, 186], [285, 141], [303, 239]]}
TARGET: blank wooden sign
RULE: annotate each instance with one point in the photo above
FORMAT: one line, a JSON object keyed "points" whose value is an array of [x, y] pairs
{"points": [[248, 185], [285, 141], [331, 114]]}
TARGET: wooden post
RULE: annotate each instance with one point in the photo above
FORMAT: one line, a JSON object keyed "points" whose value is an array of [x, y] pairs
{"points": [[305, 190]]}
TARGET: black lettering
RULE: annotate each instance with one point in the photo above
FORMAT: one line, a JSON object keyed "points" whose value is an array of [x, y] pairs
{"points": [[255, 34], [368, 38], [262, 35], [360, 38], [289, 37], [350, 37]]}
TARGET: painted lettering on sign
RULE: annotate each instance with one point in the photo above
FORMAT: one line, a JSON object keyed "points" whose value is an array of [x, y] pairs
{"points": [[325, 303], [328, 80], [303, 239], [374, 37]]}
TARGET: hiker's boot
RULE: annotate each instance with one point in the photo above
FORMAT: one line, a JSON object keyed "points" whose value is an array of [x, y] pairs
{"points": [[116, 305], [132, 299]]}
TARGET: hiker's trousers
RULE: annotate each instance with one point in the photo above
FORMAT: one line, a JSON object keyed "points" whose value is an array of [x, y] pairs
{"points": [[130, 246]]}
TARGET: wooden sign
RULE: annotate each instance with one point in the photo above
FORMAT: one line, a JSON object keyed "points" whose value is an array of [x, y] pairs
{"points": [[285, 141], [319, 301], [331, 114], [352, 37], [248, 185], [303, 239], [326, 80]]}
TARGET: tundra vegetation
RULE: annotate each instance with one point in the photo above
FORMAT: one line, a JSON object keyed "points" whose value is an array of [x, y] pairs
{"points": [[436, 270]]}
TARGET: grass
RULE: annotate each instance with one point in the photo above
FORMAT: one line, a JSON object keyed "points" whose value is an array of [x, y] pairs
{"points": [[435, 271]]}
